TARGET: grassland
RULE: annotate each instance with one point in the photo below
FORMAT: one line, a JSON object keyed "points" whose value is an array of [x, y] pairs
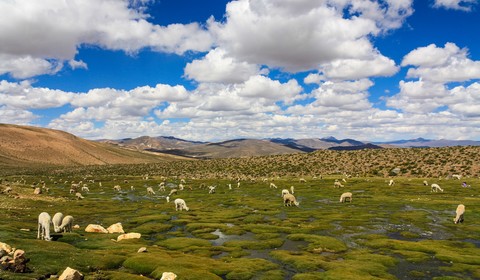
{"points": [[387, 232]]}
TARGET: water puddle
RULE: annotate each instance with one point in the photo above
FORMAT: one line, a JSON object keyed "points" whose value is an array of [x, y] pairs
{"points": [[222, 238]]}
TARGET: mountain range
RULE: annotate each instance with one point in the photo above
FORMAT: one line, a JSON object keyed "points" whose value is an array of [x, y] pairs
{"points": [[24, 146], [273, 146]]}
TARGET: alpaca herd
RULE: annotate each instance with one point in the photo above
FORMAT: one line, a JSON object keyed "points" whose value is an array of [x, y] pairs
{"points": [[60, 224], [64, 224]]}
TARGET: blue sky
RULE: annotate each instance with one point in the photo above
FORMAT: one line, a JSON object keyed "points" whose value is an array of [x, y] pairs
{"points": [[217, 70]]}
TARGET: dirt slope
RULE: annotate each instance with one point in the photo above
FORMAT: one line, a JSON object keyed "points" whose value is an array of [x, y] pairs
{"points": [[27, 145]]}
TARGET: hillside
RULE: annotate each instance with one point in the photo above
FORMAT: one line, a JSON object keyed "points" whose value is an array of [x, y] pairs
{"points": [[409, 162], [234, 149], [24, 146], [156, 143]]}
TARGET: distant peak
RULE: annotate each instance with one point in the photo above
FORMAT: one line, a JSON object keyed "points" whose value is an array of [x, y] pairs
{"points": [[420, 139], [329, 138]]}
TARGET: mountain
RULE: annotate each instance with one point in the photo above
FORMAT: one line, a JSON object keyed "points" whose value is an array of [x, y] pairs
{"points": [[356, 147], [313, 144], [421, 142], [24, 146], [234, 148], [155, 143]]}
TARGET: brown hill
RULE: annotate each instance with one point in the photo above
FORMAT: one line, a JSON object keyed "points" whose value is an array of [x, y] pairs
{"points": [[156, 143], [24, 146], [234, 149]]}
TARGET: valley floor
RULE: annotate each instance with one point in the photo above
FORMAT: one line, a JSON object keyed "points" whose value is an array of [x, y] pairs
{"points": [[403, 231]]}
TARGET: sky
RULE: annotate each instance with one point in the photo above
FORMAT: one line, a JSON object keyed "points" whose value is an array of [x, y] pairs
{"points": [[217, 70]]}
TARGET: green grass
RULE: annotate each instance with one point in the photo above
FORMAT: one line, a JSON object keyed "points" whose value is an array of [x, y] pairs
{"points": [[385, 233]]}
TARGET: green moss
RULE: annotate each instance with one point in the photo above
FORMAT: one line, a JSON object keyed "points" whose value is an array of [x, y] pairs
{"points": [[255, 245], [149, 228], [320, 243], [414, 256], [180, 243], [302, 262], [326, 239]]}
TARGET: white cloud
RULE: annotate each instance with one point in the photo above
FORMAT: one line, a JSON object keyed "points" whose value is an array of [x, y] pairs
{"points": [[24, 96], [463, 5], [21, 67], [105, 103], [336, 98], [217, 67], [447, 64], [352, 69], [297, 37], [259, 94], [37, 36], [77, 64], [16, 116]]}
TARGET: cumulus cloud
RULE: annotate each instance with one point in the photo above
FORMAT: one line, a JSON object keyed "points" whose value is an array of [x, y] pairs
{"points": [[447, 64], [462, 5], [298, 37], [336, 97], [352, 69], [24, 96], [217, 67], [106, 103], [259, 94], [41, 35], [77, 64], [21, 67], [16, 116]]}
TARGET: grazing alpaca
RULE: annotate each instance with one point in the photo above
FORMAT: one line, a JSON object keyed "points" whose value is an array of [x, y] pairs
{"points": [[436, 188], [180, 204], [44, 221], [346, 196], [289, 199], [460, 212]]}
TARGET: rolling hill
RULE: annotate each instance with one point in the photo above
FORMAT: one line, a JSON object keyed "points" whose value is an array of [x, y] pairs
{"points": [[156, 143], [234, 149], [24, 146]]}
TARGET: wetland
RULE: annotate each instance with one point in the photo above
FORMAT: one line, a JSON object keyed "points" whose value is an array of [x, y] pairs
{"points": [[403, 231]]}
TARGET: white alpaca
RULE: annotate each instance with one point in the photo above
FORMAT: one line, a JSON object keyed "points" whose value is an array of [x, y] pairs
{"points": [[132, 188], [345, 196], [79, 195], [460, 211], [238, 185], [211, 189], [284, 192], [161, 187], [289, 200], [229, 186], [172, 192], [44, 221], [292, 189], [272, 185], [117, 188], [67, 224], [337, 184], [180, 204], [57, 221], [302, 180], [391, 183], [167, 198], [85, 189], [425, 183], [436, 188], [456, 176], [150, 191]]}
